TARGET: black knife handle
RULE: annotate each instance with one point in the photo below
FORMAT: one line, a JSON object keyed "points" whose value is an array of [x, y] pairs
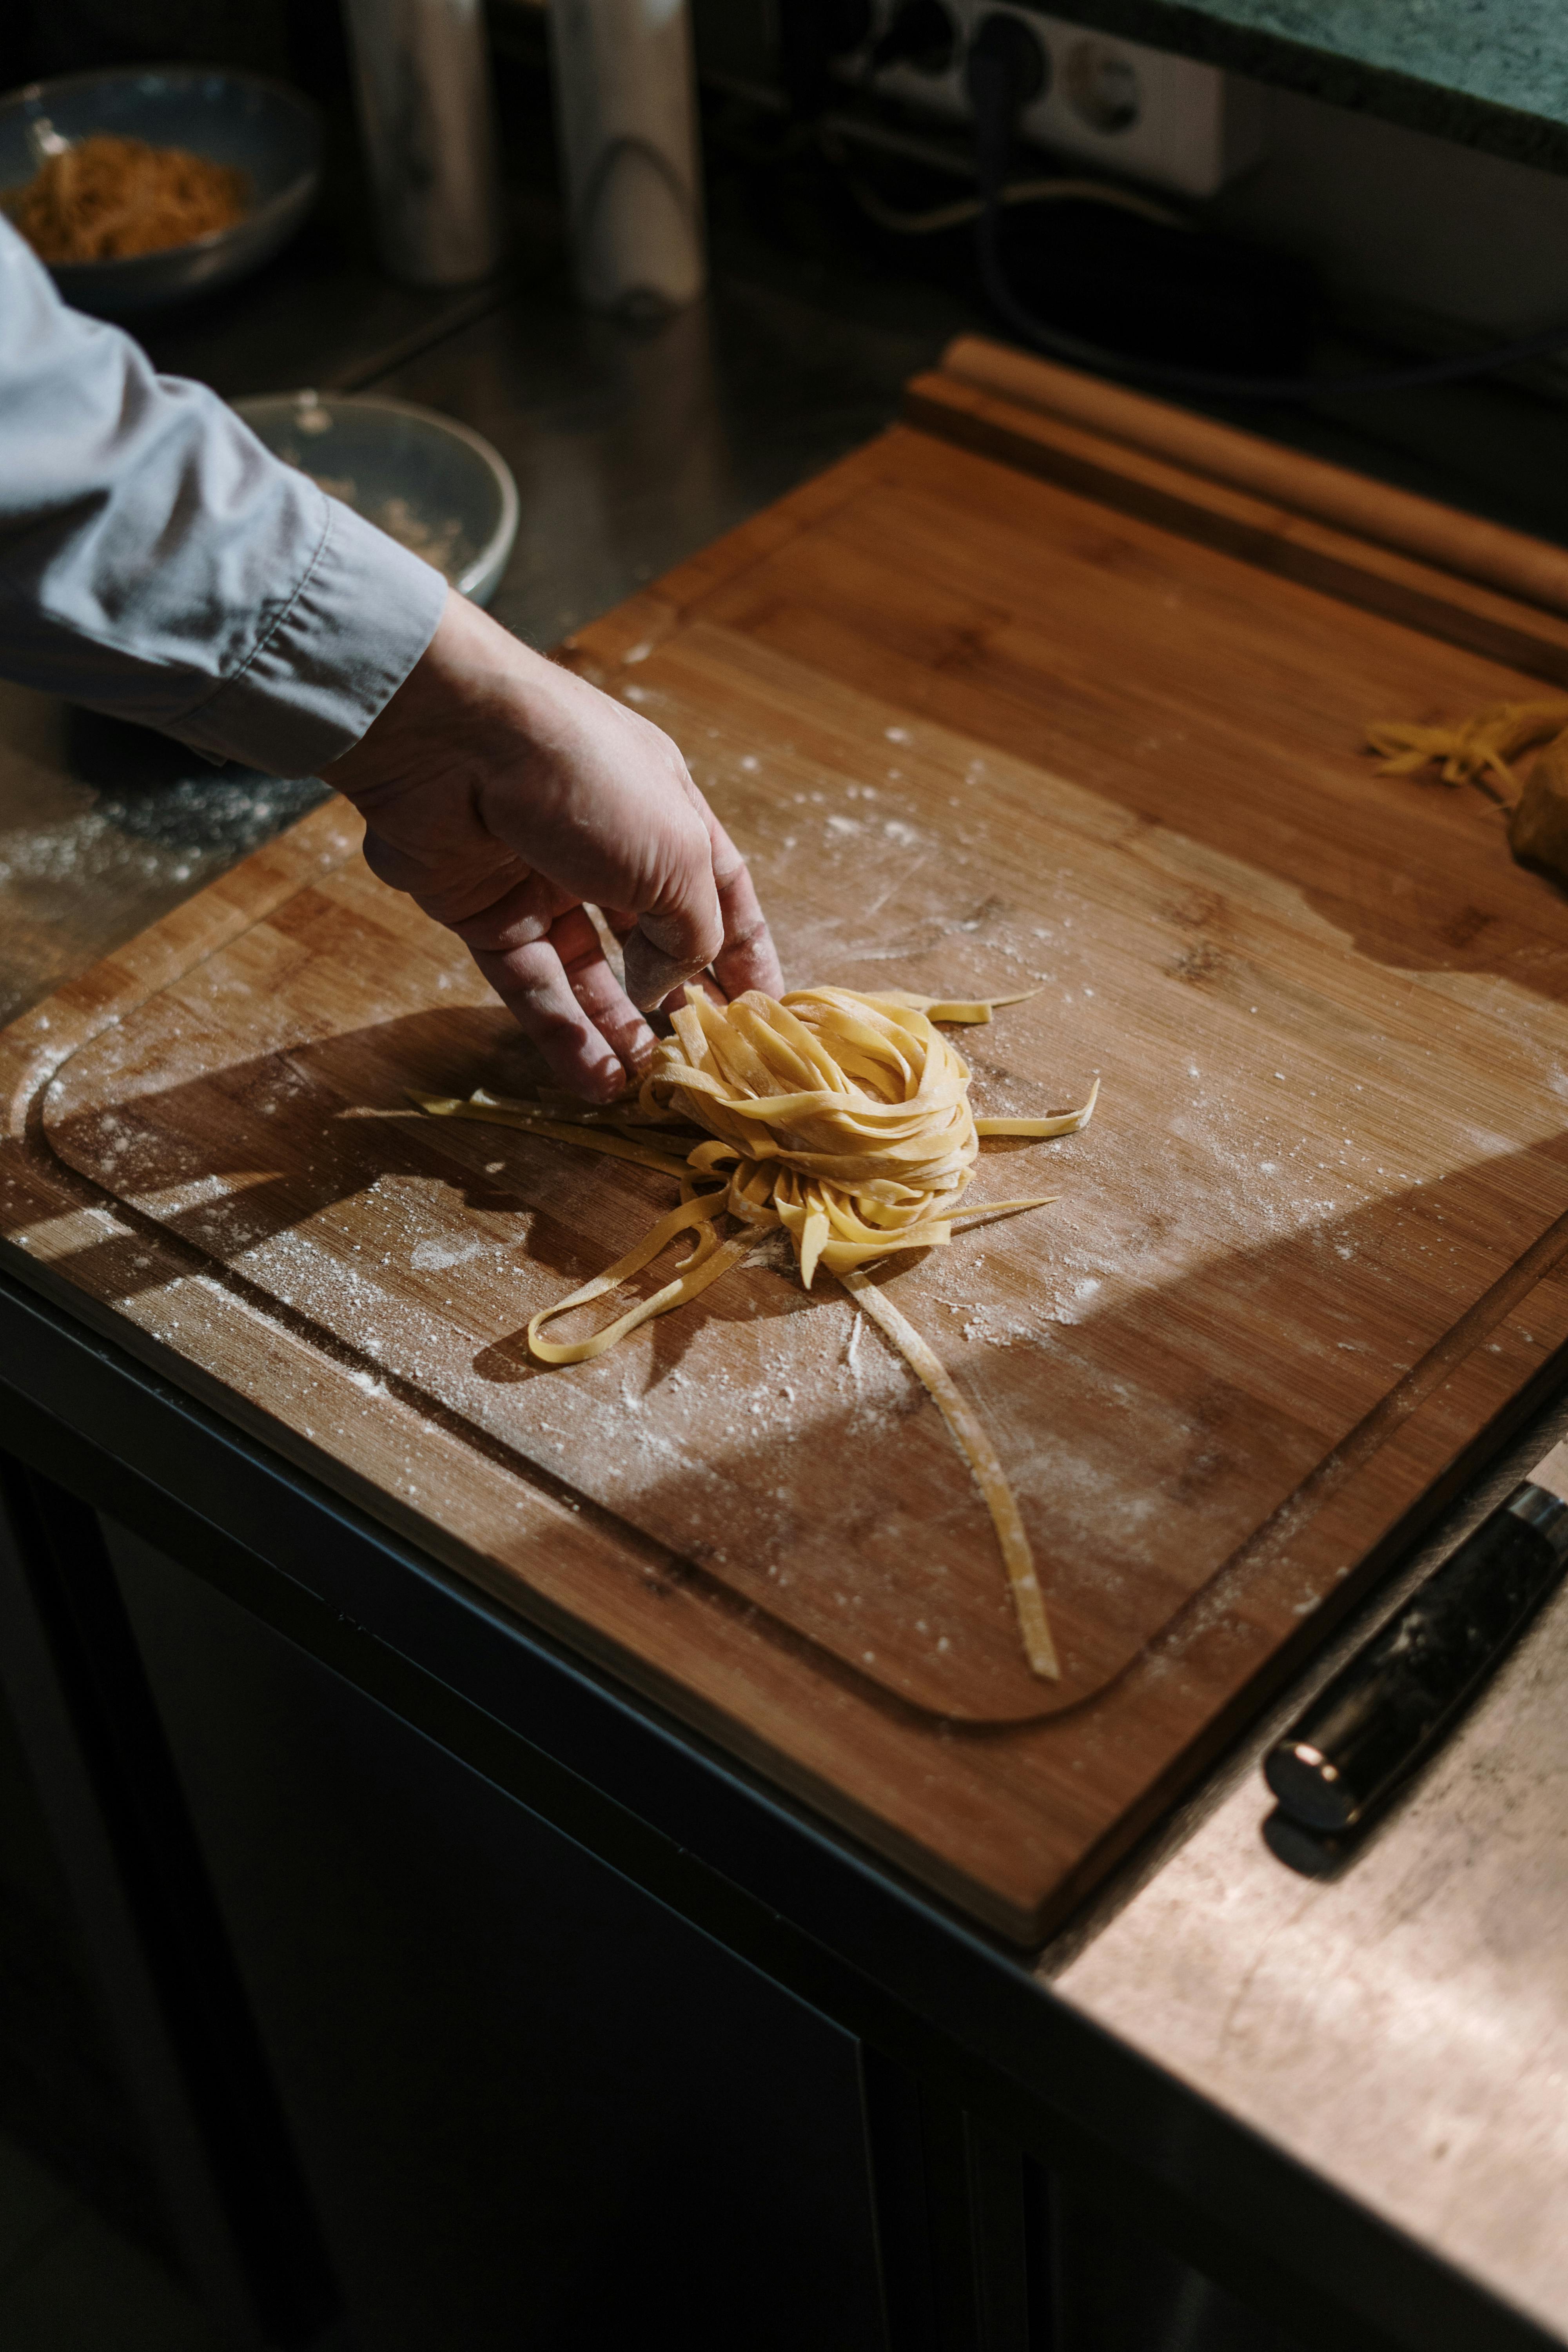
{"points": [[1380, 1716]]}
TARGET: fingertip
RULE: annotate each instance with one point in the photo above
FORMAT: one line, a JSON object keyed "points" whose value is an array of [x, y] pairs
{"points": [[674, 942], [639, 1049], [596, 1077], [652, 977], [765, 971], [751, 962], [533, 984]]}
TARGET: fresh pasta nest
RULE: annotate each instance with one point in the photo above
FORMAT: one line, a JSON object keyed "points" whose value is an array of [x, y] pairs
{"points": [[841, 1119]]}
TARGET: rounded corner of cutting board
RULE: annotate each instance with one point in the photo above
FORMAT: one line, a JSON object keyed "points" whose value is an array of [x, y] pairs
{"points": [[157, 1078], [929, 587]]}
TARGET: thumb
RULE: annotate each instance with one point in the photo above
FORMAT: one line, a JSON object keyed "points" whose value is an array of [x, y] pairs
{"points": [[676, 940]]}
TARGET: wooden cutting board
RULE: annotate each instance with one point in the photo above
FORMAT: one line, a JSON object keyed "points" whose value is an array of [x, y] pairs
{"points": [[1050, 711]]}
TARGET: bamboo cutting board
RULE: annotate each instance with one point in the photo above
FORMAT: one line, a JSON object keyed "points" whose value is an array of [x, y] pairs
{"points": [[1057, 708]]}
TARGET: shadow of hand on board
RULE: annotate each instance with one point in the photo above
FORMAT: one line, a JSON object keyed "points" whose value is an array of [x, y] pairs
{"points": [[1211, 1434]]}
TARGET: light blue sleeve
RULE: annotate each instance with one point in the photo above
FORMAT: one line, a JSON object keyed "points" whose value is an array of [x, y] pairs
{"points": [[158, 563]]}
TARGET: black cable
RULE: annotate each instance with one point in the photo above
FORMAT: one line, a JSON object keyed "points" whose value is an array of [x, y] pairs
{"points": [[934, 220], [993, 77]]}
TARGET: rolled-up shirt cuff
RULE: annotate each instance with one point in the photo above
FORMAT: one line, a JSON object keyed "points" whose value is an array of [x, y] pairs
{"points": [[330, 660]]}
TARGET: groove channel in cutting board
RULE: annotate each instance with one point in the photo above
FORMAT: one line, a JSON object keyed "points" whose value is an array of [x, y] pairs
{"points": [[1199, 663], [1305, 1171]]}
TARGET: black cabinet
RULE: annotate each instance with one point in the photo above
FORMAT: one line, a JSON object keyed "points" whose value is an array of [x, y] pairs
{"points": [[461, 1998], [530, 2103]]}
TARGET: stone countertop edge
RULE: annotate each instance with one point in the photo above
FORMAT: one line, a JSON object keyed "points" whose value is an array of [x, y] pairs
{"points": [[1506, 94]]}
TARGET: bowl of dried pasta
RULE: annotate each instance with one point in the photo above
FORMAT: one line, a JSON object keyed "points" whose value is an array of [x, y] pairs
{"points": [[143, 187]]}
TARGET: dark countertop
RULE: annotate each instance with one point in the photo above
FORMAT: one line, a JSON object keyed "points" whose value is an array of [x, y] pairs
{"points": [[1492, 74]]}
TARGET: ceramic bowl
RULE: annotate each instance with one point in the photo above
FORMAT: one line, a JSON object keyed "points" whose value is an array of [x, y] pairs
{"points": [[433, 483], [271, 133]]}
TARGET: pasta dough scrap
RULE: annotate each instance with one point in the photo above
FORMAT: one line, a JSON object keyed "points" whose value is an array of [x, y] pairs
{"points": [[1465, 750], [842, 1118], [1474, 750]]}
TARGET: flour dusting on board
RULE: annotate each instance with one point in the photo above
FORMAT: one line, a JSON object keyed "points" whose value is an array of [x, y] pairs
{"points": [[1254, 1159]]}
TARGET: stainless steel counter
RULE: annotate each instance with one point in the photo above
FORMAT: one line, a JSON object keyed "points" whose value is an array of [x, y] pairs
{"points": [[1404, 2029]]}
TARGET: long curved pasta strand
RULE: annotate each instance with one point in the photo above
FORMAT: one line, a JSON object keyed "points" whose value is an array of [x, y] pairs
{"points": [[974, 1443]]}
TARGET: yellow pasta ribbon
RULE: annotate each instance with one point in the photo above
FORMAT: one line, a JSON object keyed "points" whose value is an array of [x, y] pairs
{"points": [[974, 1443], [709, 1258], [1464, 749], [842, 1118]]}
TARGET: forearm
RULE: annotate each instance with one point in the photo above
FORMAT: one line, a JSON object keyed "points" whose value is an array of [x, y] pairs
{"points": [[157, 562]]}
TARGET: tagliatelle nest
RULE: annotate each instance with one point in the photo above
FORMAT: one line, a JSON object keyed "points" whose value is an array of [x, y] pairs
{"points": [[840, 1118]]}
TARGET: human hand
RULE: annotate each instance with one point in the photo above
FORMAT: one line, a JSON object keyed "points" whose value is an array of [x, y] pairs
{"points": [[506, 796]]}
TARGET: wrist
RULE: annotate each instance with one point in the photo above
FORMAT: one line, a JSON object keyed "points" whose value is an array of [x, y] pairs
{"points": [[472, 678]]}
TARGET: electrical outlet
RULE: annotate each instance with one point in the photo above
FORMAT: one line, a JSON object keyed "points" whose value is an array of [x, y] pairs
{"points": [[1135, 111]]}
